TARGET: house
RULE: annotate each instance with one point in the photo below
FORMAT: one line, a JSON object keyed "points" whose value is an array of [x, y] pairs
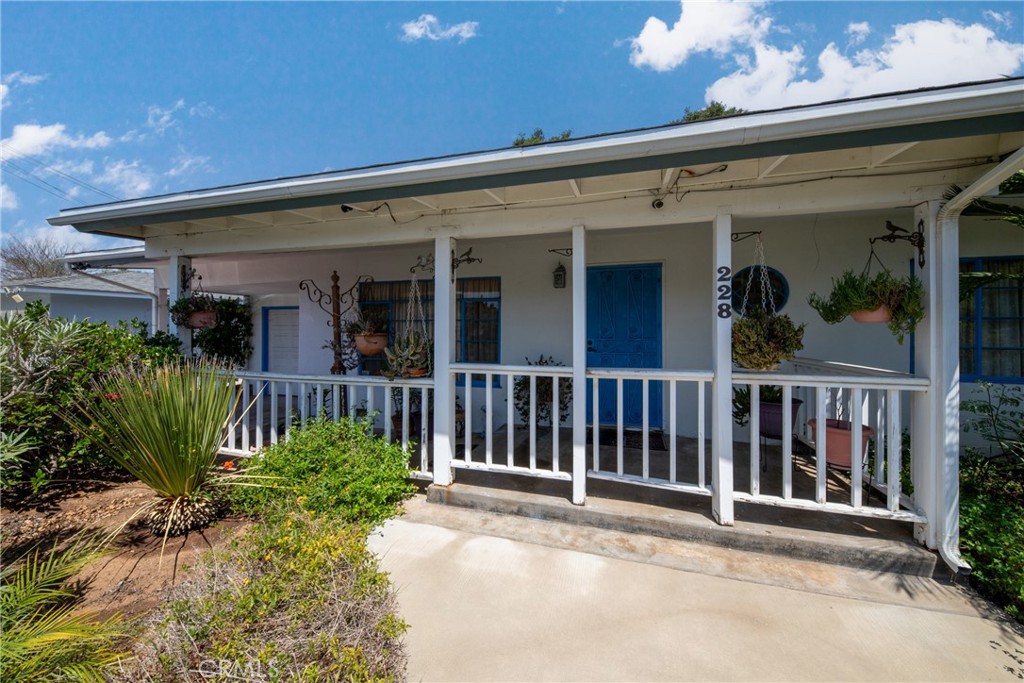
{"points": [[615, 255], [83, 295]]}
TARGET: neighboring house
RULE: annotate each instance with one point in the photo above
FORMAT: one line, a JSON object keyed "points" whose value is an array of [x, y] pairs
{"points": [[104, 296], [615, 255]]}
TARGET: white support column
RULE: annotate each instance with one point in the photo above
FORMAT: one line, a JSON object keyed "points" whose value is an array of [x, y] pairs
{"points": [[925, 408], [946, 387], [579, 365], [721, 388], [178, 287], [444, 352]]}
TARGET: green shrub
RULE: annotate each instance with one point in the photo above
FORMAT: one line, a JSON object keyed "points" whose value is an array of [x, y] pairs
{"points": [[45, 362], [300, 599], [544, 404], [337, 468], [43, 636], [992, 533], [164, 426]]}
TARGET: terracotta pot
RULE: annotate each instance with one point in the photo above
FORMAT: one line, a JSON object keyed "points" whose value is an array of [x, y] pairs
{"points": [[371, 344], [837, 441], [879, 315], [417, 372], [201, 320]]}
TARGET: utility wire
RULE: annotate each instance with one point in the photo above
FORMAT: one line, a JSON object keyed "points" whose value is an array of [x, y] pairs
{"points": [[9, 151], [40, 184]]}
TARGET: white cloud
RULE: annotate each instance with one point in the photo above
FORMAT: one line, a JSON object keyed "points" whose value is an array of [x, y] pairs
{"points": [[858, 32], [130, 179], [30, 139], [76, 168], [428, 26], [160, 119], [186, 163], [715, 27], [1002, 18], [16, 78], [203, 110], [919, 54], [8, 200]]}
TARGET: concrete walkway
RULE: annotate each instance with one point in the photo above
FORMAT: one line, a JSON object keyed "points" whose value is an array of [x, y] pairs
{"points": [[493, 597]]}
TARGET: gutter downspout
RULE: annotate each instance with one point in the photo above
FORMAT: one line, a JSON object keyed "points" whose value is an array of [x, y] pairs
{"points": [[949, 544]]}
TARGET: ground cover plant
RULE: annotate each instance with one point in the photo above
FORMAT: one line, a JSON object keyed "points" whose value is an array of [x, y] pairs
{"points": [[992, 496], [164, 426], [44, 363], [296, 599], [43, 634], [336, 468]]}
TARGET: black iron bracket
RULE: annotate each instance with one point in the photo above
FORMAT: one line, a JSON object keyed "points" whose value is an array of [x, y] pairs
{"points": [[561, 252], [916, 239], [740, 236]]}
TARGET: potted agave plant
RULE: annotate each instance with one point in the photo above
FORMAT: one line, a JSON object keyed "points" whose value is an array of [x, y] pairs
{"points": [[897, 301], [761, 341], [369, 332]]}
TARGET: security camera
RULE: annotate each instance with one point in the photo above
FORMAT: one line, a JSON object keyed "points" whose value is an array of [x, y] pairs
{"points": [[657, 203]]}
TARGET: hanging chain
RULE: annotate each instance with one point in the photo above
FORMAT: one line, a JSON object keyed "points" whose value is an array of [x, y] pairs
{"points": [[414, 310], [875, 257], [767, 295]]}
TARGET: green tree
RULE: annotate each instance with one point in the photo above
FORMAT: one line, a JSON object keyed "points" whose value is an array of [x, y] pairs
{"points": [[713, 111], [538, 137]]}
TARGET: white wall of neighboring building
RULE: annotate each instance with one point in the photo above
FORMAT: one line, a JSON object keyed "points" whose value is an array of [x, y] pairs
{"points": [[99, 307]]}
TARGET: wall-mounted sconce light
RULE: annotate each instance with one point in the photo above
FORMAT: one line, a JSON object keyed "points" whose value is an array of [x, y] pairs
{"points": [[14, 293], [559, 276]]}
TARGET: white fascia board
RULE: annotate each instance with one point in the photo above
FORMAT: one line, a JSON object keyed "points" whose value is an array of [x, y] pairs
{"points": [[912, 108], [109, 257]]}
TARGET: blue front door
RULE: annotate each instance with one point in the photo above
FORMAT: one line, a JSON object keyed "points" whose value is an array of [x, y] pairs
{"points": [[624, 331]]}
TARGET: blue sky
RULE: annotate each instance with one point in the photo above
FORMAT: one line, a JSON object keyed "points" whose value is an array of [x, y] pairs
{"points": [[133, 99]]}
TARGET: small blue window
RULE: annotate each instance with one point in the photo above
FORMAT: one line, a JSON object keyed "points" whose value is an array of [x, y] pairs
{"points": [[756, 300]]}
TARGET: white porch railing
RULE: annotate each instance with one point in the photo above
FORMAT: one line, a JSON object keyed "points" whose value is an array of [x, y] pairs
{"points": [[278, 403], [686, 468], [870, 405], [512, 455]]}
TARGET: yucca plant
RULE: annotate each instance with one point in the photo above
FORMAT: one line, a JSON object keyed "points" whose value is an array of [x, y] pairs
{"points": [[165, 425], [43, 636]]}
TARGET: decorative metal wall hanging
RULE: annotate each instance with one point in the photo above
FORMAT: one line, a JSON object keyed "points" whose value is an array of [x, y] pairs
{"points": [[916, 239], [561, 252], [345, 355], [426, 263], [740, 236]]}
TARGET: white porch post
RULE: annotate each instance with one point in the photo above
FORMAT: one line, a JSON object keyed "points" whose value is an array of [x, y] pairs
{"points": [[721, 359], [927, 425], [579, 364], [178, 287], [444, 352]]}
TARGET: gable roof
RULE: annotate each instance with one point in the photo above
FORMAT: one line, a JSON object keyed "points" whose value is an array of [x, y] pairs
{"points": [[925, 114], [122, 283]]}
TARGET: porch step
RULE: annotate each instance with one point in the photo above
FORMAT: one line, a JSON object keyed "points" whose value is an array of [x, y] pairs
{"points": [[864, 544]]}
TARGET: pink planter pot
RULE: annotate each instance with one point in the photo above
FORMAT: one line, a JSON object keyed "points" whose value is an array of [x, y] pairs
{"points": [[838, 445], [882, 314]]}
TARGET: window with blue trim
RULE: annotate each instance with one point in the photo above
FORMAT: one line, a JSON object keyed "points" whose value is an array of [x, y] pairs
{"points": [[992, 323], [477, 311]]}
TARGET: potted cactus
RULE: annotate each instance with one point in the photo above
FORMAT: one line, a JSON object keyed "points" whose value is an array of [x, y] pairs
{"points": [[409, 355], [761, 341]]}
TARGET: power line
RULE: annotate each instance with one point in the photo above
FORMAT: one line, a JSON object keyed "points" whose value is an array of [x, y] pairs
{"points": [[78, 181], [41, 184]]}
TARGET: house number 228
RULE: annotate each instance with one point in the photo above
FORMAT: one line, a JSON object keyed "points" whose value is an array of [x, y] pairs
{"points": [[725, 292]]}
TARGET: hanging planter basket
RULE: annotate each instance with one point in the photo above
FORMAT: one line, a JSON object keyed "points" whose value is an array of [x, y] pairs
{"points": [[371, 344], [202, 320], [882, 314]]}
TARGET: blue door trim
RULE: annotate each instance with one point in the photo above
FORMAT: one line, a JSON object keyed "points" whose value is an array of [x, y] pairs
{"points": [[264, 334]]}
